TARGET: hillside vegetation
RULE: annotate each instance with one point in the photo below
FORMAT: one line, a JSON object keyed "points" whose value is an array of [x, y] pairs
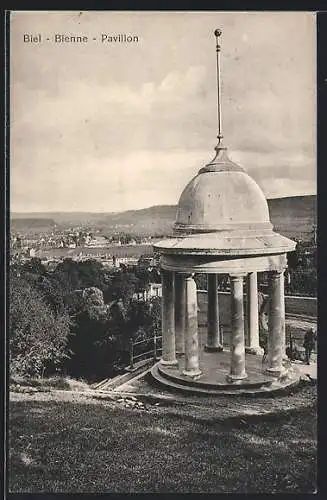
{"points": [[42, 223]]}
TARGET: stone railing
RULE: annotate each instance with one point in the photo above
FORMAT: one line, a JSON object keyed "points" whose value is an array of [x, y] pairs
{"points": [[306, 306]]}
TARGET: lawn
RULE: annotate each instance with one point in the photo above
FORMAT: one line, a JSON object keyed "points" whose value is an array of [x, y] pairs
{"points": [[58, 446]]}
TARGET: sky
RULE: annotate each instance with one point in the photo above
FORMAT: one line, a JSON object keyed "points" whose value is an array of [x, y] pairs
{"points": [[106, 127]]}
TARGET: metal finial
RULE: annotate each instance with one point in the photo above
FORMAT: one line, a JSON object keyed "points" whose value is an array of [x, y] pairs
{"points": [[218, 33]]}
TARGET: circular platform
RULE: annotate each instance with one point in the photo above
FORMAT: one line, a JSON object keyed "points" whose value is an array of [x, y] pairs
{"points": [[215, 367]]}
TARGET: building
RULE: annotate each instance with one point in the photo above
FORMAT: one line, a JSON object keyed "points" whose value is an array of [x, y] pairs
{"points": [[154, 290], [98, 241], [124, 261]]}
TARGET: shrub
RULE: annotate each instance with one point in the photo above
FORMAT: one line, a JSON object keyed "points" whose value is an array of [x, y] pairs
{"points": [[304, 281], [37, 336]]}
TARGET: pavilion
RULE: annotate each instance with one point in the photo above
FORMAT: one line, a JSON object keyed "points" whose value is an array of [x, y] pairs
{"points": [[222, 227]]}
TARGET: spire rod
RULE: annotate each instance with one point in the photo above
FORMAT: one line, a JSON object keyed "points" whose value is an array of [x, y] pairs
{"points": [[218, 33]]}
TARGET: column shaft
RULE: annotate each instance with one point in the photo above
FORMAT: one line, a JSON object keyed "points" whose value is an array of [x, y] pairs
{"points": [[192, 367], [282, 313], [253, 346], [276, 322], [237, 369], [213, 338], [168, 318], [180, 312]]}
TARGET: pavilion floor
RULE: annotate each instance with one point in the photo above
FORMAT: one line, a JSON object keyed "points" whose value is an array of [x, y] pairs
{"points": [[215, 366]]}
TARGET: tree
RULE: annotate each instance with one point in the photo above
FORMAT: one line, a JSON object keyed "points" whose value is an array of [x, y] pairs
{"points": [[74, 275], [37, 336], [51, 291], [74, 303], [143, 319], [97, 330], [123, 286], [144, 278], [201, 281], [155, 311], [66, 273], [91, 274], [34, 266], [93, 297]]}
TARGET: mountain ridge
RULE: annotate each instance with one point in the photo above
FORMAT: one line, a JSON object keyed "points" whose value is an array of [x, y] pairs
{"points": [[52, 214], [288, 215]]}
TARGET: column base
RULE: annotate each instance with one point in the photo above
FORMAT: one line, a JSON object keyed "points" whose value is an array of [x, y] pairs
{"points": [[174, 362], [192, 373], [209, 348], [235, 378], [275, 372], [180, 348], [254, 350]]}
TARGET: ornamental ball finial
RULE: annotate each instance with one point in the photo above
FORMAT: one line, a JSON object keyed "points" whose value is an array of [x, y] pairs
{"points": [[218, 32]]}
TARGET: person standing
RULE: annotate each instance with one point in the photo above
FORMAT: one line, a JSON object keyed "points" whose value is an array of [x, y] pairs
{"points": [[287, 281], [309, 342]]}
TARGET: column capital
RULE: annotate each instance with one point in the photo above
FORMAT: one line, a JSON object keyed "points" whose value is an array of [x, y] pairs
{"points": [[237, 277]]}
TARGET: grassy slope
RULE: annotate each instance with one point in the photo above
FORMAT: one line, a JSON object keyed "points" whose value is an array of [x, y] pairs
{"points": [[71, 447]]}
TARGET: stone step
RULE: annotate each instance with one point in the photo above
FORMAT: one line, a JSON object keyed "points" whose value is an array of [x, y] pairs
{"points": [[236, 390], [211, 385], [112, 383]]}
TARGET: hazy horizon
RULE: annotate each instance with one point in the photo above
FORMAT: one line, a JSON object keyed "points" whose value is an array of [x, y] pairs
{"points": [[104, 128], [129, 210]]}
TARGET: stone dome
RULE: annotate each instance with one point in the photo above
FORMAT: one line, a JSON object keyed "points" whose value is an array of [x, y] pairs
{"points": [[222, 222], [222, 196]]}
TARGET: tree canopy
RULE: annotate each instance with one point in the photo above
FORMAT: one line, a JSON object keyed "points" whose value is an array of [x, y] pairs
{"points": [[38, 336]]}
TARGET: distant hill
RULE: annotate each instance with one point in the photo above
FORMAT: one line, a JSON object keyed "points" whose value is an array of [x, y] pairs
{"points": [[158, 219], [293, 217], [35, 223], [62, 217]]}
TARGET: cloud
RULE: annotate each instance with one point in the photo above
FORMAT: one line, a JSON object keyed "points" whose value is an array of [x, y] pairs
{"points": [[278, 188], [123, 182], [77, 100], [128, 181], [110, 127]]}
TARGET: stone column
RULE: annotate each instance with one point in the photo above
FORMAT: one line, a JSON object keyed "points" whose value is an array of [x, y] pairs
{"points": [[213, 338], [237, 369], [253, 346], [282, 300], [192, 367], [276, 323], [180, 312], [168, 319]]}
